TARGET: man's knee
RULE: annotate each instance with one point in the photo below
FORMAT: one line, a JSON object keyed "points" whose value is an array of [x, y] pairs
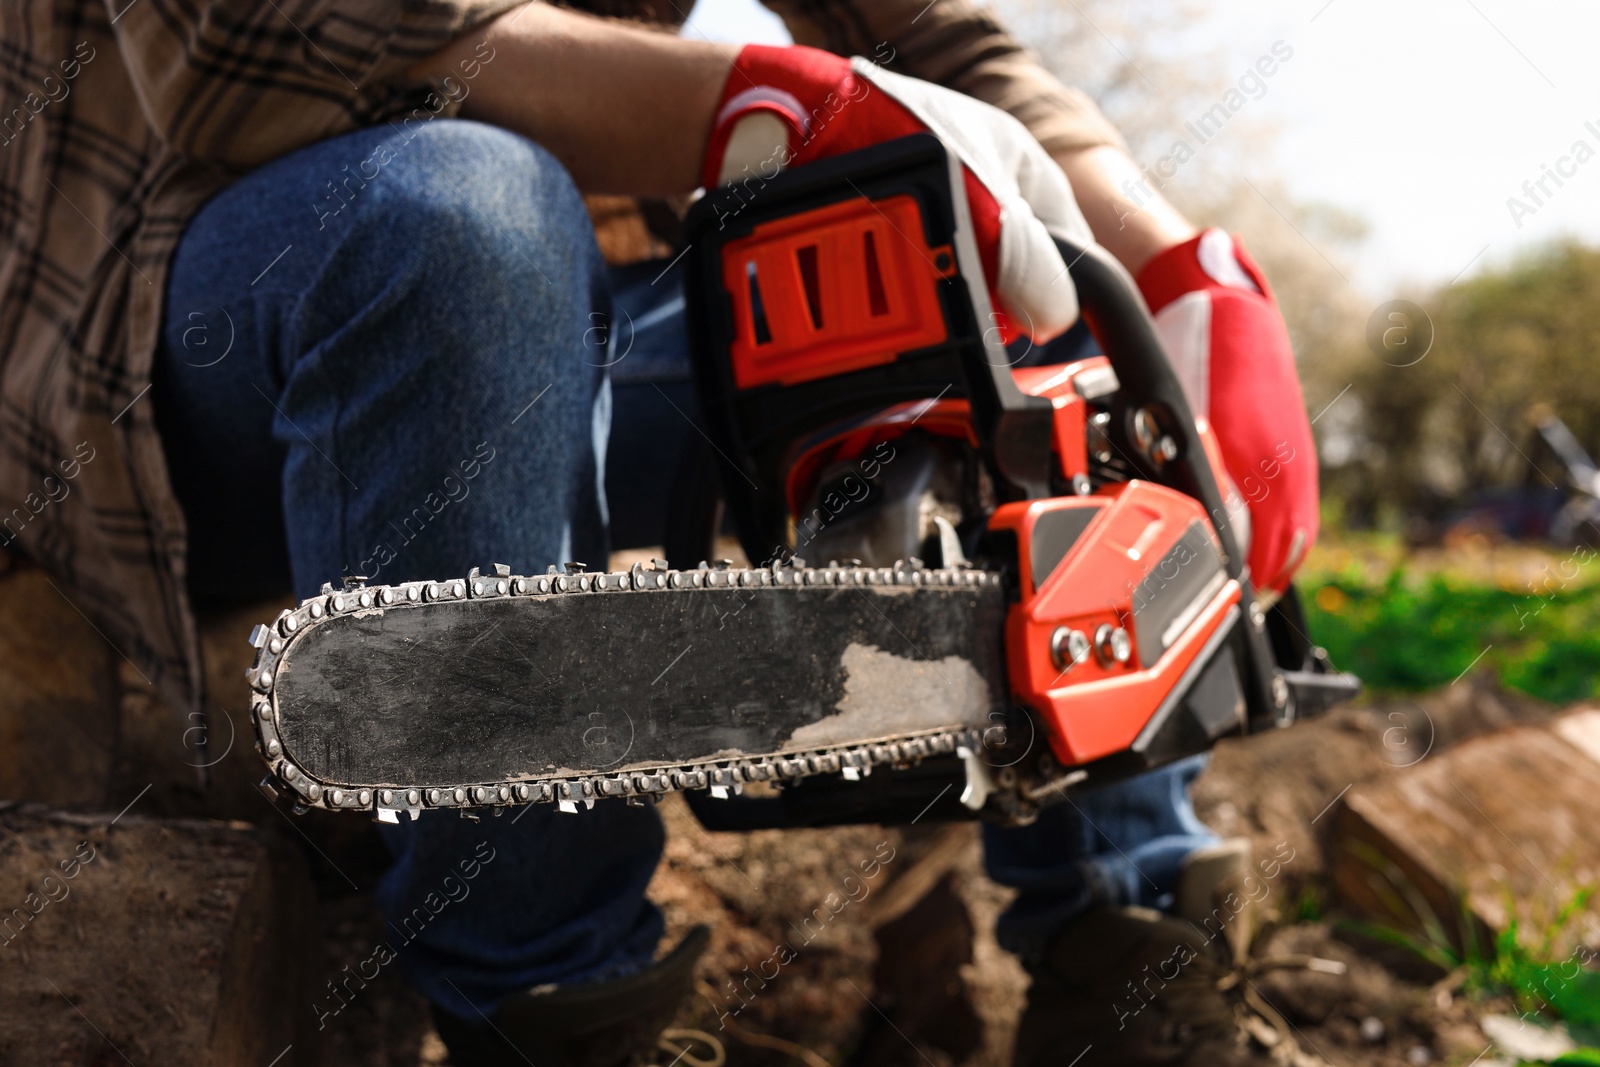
{"points": [[483, 205]]}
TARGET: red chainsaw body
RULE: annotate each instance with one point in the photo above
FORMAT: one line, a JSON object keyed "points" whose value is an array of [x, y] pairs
{"points": [[1099, 706], [848, 322], [832, 290], [1127, 533]]}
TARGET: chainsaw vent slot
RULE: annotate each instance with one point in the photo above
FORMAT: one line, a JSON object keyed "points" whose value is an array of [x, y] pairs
{"points": [[807, 258], [877, 300], [758, 311], [833, 290]]}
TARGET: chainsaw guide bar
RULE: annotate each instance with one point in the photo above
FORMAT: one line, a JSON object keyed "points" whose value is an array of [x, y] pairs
{"points": [[501, 690]]}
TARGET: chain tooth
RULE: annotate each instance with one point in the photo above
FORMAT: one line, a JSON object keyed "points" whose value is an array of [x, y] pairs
{"points": [[488, 585], [262, 678]]}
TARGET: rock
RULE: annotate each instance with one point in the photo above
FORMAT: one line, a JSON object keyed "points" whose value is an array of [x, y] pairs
{"points": [[1524, 1040], [1281, 786], [1507, 816]]}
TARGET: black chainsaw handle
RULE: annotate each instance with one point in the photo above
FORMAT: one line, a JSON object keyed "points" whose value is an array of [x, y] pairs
{"points": [[1120, 320]]}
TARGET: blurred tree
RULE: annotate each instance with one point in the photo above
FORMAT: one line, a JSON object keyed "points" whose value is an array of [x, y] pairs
{"points": [[1155, 66], [1507, 343]]}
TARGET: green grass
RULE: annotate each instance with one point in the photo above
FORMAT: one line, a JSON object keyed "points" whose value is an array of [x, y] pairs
{"points": [[1525, 968], [1412, 630], [1534, 978]]}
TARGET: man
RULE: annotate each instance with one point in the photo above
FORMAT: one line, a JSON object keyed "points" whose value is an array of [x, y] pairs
{"points": [[314, 285]]}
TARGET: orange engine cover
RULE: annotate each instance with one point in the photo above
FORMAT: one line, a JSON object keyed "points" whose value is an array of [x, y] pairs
{"points": [[1135, 570]]}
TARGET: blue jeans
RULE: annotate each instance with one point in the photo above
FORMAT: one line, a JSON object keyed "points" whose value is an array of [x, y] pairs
{"points": [[397, 353]]}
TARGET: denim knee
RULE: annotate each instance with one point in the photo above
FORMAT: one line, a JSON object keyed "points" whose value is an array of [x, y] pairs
{"points": [[479, 240], [433, 283]]}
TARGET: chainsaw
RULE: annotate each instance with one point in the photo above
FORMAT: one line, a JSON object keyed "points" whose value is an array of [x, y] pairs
{"points": [[1025, 581]]}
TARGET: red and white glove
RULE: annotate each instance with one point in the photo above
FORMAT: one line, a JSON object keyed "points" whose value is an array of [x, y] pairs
{"points": [[784, 107], [1222, 329]]}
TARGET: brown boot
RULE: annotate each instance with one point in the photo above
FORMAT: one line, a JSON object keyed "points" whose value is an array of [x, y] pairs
{"points": [[1134, 988], [598, 1024]]}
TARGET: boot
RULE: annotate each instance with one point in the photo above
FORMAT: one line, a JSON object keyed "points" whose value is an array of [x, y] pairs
{"points": [[598, 1024], [1207, 874], [1135, 988]]}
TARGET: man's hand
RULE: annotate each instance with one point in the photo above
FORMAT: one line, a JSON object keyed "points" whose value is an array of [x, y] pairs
{"points": [[1226, 337], [1221, 327], [783, 107]]}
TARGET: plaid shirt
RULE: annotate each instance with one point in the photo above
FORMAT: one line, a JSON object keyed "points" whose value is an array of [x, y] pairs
{"points": [[118, 118]]}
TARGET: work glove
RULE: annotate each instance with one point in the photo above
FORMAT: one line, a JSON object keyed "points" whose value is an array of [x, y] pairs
{"points": [[1227, 341], [785, 107]]}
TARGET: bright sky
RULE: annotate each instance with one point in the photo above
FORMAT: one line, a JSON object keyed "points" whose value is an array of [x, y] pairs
{"points": [[1420, 116]]}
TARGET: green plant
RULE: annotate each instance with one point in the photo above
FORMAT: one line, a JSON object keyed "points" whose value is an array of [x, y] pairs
{"points": [[1578, 1057], [1535, 979], [1528, 973], [1410, 632], [1310, 904]]}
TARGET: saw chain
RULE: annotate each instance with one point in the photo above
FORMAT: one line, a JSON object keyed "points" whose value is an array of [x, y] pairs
{"points": [[722, 777]]}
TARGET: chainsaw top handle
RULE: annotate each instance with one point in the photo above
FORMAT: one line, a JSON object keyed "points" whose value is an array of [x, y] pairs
{"points": [[812, 306], [1147, 411]]}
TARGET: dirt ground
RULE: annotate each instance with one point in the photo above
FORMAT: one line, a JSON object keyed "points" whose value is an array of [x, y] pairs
{"points": [[910, 973]]}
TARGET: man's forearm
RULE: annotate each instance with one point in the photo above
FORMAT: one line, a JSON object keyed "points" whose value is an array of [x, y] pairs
{"points": [[626, 110], [1129, 217]]}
